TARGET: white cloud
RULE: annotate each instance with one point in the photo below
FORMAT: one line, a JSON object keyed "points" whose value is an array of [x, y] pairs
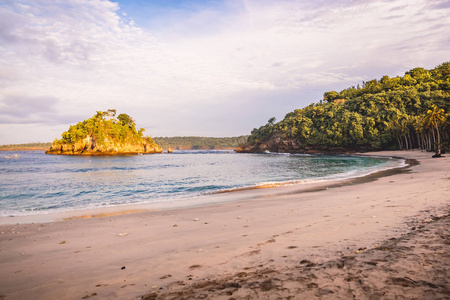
{"points": [[194, 73]]}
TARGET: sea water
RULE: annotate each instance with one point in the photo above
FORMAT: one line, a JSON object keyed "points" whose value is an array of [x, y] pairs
{"points": [[32, 182]]}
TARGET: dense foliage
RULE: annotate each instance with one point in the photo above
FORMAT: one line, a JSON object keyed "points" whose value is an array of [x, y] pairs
{"points": [[403, 112], [104, 126], [195, 142]]}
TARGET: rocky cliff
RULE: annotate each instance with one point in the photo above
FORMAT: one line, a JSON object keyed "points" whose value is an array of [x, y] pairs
{"points": [[103, 134], [279, 145], [91, 146]]}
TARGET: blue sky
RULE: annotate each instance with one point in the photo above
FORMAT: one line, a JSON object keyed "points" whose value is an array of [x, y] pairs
{"points": [[206, 68]]}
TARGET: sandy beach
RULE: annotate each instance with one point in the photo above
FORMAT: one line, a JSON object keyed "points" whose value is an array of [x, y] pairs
{"points": [[381, 237]]}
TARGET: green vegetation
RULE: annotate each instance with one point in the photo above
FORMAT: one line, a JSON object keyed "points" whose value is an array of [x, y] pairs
{"points": [[195, 142], [26, 147], [104, 127], [104, 134], [391, 113]]}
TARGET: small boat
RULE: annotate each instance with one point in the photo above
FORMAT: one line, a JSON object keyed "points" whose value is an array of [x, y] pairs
{"points": [[15, 156], [267, 152]]}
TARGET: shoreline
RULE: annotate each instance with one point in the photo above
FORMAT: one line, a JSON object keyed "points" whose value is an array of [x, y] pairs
{"points": [[210, 198], [243, 246]]}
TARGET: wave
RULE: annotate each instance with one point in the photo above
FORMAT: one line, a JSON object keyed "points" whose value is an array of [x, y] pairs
{"points": [[353, 174], [64, 184]]}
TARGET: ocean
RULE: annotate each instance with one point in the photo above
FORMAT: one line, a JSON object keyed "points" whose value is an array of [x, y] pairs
{"points": [[32, 182]]}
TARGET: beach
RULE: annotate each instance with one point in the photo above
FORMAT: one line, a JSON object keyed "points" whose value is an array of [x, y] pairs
{"points": [[385, 236]]}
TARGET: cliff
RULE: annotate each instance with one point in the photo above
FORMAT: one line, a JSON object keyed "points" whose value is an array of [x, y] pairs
{"points": [[279, 145], [103, 134], [90, 146]]}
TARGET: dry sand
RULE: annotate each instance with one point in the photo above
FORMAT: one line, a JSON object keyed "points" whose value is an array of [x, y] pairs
{"points": [[384, 238]]}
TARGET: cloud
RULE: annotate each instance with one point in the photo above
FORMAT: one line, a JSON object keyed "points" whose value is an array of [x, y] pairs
{"points": [[17, 109], [191, 70]]}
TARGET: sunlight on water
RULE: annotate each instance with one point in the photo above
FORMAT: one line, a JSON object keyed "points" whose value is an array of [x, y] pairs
{"points": [[39, 183]]}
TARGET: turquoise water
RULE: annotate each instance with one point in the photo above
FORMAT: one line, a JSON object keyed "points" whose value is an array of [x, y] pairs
{"points": [[36, 183]]}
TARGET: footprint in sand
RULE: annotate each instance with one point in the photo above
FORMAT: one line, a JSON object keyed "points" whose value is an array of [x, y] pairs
{"points": [[195, 267]]}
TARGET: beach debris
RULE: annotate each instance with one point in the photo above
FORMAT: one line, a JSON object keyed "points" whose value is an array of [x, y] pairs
{"points": [[166, 276], [122, 234], [239, 217], [196, 219], [89, 296], [123, 268], [175, 225], [361, 249], [62, 243]]}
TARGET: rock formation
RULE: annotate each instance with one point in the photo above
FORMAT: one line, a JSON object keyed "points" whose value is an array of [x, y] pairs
{"points": [[104, 135], [90, 146]]}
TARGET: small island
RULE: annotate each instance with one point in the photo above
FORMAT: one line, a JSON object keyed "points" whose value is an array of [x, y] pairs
{"points": [[104, 134]]}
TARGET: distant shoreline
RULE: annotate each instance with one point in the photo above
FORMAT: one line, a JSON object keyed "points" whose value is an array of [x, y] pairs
{"points": [[174, 143], [26, 147]]}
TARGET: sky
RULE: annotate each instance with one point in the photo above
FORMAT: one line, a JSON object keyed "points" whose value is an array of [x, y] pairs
{"points": [[200, 68]]}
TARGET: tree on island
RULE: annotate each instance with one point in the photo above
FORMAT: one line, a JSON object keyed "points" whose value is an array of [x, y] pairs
{"points": [[104, 134], [126, 120]]}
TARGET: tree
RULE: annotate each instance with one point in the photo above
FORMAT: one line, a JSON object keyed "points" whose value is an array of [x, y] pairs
{"points": [[412, 110], [435, 116], [111, 113], [330, 96], [271, 121], [125, 119]]}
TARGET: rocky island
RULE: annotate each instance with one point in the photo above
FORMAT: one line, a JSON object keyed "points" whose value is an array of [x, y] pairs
{"points": [[104, 134]]}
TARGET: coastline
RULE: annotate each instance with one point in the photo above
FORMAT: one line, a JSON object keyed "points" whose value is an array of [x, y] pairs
{"points": [[210, 198], [178, 250]]}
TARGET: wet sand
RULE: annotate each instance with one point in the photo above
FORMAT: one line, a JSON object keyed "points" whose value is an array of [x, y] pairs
{"points": [[382, 238]]}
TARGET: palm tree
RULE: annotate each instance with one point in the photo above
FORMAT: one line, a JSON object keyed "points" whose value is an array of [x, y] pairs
{"points": [[435, 116]]}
